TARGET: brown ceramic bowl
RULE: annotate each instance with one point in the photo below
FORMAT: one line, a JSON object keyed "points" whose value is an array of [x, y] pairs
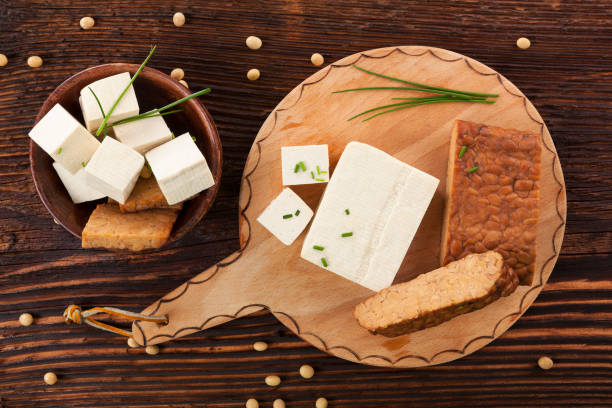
{"points": [[153, 89]]}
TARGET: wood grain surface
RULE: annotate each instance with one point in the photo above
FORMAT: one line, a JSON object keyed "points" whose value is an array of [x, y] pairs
{"points": [[565, 73]]}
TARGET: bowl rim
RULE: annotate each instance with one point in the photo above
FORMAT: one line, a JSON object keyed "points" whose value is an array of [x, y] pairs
{"points": [[209, 125]]}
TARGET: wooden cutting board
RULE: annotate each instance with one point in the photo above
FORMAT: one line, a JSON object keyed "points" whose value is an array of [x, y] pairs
{"points": [[316, 304]]}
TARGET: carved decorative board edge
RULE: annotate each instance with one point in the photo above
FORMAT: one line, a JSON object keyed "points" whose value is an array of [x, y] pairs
{"points": [[560, 204]]}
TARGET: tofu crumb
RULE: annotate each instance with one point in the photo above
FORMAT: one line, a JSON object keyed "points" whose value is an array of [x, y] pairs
{"points": [[178, 19], [87, 22], [523, 43], [26, 319], [253, 42], [253, 74], [35, 61], [317, 59]]}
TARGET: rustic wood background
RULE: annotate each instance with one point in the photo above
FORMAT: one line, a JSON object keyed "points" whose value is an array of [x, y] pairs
{"points": [[567, 74]]}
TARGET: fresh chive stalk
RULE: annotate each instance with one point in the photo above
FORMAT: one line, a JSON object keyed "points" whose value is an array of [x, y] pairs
{"points": [[347, 234], [434, 88], [462, 152], [317, 248], [287, 216], [146, 116], [97, 100], [112, 109], [473, 169], [324, 262]]}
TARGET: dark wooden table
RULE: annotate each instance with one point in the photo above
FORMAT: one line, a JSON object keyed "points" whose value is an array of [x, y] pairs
{"points": [[567, 74]]}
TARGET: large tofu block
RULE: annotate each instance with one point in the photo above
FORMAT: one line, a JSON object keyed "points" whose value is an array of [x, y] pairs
{"points": [[108, 227], [108, 90], [377, 202], [76, 185], [304, 164], [180, 169], [114, 169], [60, 135], [143, 135], [286, 216]]}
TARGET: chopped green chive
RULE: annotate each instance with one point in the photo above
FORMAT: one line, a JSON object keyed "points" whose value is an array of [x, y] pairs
{"points": [[318, 179], [59, 151], [193, 138], [462, 152], [172, 135], [473, 169], [318, 170], [317, 248], [324, 262], [302, 166], [148, 166], [287, 216], [460, 307], [347, 234], [82, 164], [312, 175], [347, 212], [323, 172], [296, 168], [297, 213]]}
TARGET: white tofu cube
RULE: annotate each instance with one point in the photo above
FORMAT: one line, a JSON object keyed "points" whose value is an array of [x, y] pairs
{"points": [[286, 216], [76, 185], [304, 164], [368, 216], [143, 135], [60, 135], [108, 90], [180, 169], [114, 169]]}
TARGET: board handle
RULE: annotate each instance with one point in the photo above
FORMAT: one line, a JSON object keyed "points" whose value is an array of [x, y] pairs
{"points": [[219, 294]]}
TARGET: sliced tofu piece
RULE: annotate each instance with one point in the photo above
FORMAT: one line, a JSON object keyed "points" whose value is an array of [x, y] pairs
{"points": [[108, 227], [60, 135], [76, 185], [143, 135], [180, 169], [114, 169], [305, 164], [286, 216], [108, 90], [145, 196], [368, 216]]}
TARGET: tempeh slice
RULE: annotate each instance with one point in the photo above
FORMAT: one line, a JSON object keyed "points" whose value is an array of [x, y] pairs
{"points": [[437, 296]]}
